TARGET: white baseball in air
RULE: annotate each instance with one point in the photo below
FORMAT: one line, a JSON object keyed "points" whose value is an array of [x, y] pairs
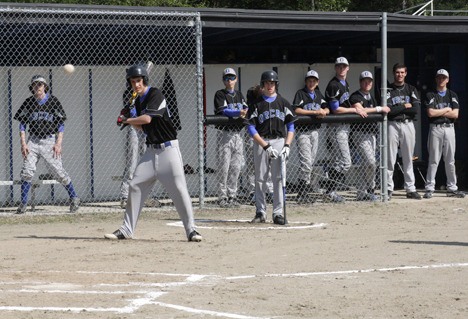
{"points": [[69, 68]]}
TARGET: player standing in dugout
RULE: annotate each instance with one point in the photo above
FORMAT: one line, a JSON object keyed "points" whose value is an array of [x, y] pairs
{"points": [[162, 160]]}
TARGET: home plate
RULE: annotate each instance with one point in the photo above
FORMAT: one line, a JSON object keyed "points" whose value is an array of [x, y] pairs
{"points": [[239, 224]]}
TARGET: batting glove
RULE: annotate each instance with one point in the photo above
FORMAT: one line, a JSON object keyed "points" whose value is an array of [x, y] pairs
{"points": [[272, 153], [285, 151]]}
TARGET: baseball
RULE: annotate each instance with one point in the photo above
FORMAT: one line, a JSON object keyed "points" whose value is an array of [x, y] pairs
{"points": [[69, 68]]}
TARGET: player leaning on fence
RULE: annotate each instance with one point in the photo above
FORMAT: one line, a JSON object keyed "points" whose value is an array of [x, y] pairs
{"points": [[270, 122], [43, 116], [231, 103], [442, 109]]}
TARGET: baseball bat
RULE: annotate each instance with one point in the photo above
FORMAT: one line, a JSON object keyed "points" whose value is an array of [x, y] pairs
{"points": [[283, 182]]}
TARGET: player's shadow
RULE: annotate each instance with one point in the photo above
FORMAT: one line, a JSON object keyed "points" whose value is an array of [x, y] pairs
{"points": [[430, 242]]}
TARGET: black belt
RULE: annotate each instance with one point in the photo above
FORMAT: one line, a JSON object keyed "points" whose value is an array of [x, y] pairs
{"points": [[270, 137], [403, 121], [160, 146], [444, 124]]}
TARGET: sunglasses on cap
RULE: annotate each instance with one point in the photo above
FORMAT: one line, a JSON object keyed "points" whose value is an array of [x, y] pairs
{"points": [[229, 78]]}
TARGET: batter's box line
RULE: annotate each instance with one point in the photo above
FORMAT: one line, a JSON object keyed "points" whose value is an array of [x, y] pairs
{"points": [[301, 225]]}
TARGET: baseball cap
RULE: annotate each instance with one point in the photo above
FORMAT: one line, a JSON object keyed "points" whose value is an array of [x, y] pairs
{"points": [[38, 78], [312, 73], [366, 75], [229, 71], [341, 60], [442, 72]]}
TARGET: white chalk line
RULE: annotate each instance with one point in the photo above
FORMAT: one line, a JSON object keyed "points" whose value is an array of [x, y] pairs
{"points": [[150, 296], [301, 225]]}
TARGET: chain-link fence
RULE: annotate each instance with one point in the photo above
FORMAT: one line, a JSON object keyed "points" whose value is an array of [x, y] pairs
{"points": [[96, 156]]}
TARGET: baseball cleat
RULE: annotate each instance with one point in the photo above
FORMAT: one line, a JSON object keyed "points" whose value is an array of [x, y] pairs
{"points": [[223, 202], [259, 218], [457, 194], [115, 235], [123, 203], [74, 204], [413, 195], [335, 197], [428, 194], [195, 236], [279, 220], [21, 209]]}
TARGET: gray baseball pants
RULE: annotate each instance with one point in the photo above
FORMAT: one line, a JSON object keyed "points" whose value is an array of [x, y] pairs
{"points": [[43, 147], [230, 159], [404, 135], [263, 165], [366, 143], [307, 143], [164, 165], [441, 142], [135, 148], [250, 168]]}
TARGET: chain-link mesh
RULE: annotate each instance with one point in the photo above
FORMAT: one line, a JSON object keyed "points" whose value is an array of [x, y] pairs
{"points": [[333, 162], [96, 155]]}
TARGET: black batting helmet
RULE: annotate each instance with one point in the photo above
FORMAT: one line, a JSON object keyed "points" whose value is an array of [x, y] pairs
{"points": [[137, 70], [269, 75]]}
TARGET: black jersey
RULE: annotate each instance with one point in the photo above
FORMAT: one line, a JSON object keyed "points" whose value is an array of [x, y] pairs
{"points": [[43, 120], [367, 101], [304, 100], [337, 93], [436, 101], [232, 102], [160, 129], [397, 96], [270, 118]]}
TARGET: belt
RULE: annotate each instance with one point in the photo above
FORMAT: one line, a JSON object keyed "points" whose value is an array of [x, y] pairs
{"points": [[270, 137], [403, 121], [444, 125], [160, 146], [42, 137]]}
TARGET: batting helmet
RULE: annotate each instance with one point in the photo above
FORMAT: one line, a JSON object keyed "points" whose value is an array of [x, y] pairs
{"points": [[269, 75], [137, 70], [40, 79]]}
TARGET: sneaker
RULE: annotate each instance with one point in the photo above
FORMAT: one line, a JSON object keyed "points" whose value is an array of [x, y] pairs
{"points": [[123, 203], [223, 202], [457, 194], [233, 202], [428, 194], [115, 235], [413, 195], [195, 236], [279, 220], [74, 204], [335, 197], [259, 218], [152, 202], [364, 196], [21, 209], [305, 199]]}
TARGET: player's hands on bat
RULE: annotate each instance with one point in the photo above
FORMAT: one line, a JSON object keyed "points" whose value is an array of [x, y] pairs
{"points": [[272, 153], [124, 115], [121, 120], [285, 152]]}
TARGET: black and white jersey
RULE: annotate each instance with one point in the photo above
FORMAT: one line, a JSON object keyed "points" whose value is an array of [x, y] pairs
{"points": [[337, 94], [309, 101], [270, 116], [397, 96], [229, 104], [367, 101], [439, 100], [43, 119], [160, 129]]}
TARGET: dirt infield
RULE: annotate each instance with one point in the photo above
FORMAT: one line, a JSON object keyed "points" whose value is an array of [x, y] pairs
{"points": [[405, 259]]}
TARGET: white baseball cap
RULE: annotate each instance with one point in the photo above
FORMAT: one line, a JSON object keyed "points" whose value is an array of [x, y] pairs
{"points": [[442, 72], [366, 75], [312, 73], [341, 60], [229, 71]]}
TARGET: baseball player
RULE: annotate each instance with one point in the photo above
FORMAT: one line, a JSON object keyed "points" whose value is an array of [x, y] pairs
{"points": [[364, 135], [43, 116], [337, 96], [442, 109], [162, 160], [404, 102], [308, 101], [231, 103], [270, 122]]}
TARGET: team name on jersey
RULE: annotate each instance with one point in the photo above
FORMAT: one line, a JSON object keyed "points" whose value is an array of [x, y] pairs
{"points": [[235, 106], [344, 97], [271, 114], [41, 116], [400, 100], [312, 106]]}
